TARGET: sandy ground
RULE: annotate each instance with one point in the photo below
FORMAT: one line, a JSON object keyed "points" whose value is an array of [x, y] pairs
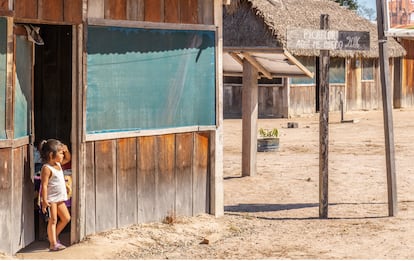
{"points": [[275, 214]]}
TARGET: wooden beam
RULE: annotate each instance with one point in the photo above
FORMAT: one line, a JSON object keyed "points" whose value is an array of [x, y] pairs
{"points": [[323, 125], [238, 49], [216, 140], [257, 65], [292, 59], [249, 118], [387, 111], [236, 57], [150, 25]]}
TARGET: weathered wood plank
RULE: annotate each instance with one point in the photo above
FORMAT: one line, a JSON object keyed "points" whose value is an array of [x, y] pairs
{"points": [[165, 189], [6, 199], [115, 9], [50, 10], [135, 10], [324, 124], [90, 185], [249, 119], [146, 179], [27, 198], [17, 199], [188, 11], [183, 176], [206, 11], [200, 174], [25, 9], [127, 182], [105, 166], [96, 8], [4, 4], [10, 79], [72, 11], [154, 10], [172, 11]]}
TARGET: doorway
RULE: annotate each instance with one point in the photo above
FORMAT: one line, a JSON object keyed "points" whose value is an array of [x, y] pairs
{"points": [[52, 106]]}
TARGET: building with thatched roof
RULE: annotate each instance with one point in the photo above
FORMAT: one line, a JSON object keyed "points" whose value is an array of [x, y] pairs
{"points": [[259, 25]]}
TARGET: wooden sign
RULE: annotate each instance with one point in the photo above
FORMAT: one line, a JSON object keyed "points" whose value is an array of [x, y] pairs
{"points": [[327, 40]]}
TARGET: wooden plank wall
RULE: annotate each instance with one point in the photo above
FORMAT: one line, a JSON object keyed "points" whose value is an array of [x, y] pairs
{"points": [[163, 11], [302, 99], [145, 179], [4, 5], [6, 188], [356, 95], [408, 75], [232, 101], [17, 199], [57, 11], [335, 91], [271, 102]]}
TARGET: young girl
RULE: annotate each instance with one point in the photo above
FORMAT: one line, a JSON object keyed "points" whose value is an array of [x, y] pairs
{"points": [[54, 154]]}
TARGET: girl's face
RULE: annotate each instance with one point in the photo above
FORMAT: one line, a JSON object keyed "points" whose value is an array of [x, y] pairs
{"points": [[59, 156]]}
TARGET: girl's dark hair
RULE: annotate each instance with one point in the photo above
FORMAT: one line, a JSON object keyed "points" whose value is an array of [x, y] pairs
{"points": [[48, 146]]}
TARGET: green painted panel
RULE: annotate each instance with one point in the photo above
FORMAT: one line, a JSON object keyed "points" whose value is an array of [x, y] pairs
{"points": [[3, 75], [23, 86], [149, 79]]}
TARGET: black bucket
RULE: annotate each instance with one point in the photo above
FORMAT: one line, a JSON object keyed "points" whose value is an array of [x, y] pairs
{"points": [[267, 144]]}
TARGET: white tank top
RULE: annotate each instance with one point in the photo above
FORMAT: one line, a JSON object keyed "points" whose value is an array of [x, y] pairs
{"points": [[56, 187]]}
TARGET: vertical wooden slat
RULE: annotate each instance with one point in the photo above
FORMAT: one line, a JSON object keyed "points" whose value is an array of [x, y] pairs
{"points": [[215, 194], [72, 11], [172, 11], [50, 10], [127, 182], [4, 4], [96, 8], [78, 223], [154, 10], [165, 189], [206, 11], [9, 81], [200, 177], [184, 180], [146, 179], [397, 94], [5, 199], [105, 166], [17, 202], [28, 233], [115, 9], [189, 9], [90, 187], [25, 9], [135, 10]]}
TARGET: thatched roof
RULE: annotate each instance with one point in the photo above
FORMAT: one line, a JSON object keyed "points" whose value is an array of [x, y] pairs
{"points": [[264, 23]]}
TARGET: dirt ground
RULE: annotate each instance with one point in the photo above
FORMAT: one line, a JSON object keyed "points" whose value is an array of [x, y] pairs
{"points": [[275, 214]]}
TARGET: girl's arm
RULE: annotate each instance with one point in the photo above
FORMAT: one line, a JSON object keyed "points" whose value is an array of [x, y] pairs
{"points": [[45, 175], [67, 157]]}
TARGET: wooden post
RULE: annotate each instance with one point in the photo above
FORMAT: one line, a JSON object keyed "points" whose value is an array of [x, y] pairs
{"points": [[216, 150], [323, 124], [387, 111], [249, 119]]}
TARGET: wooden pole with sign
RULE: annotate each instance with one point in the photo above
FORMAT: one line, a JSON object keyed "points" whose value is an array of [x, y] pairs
{"points": [[323, 123], [387, 111]]}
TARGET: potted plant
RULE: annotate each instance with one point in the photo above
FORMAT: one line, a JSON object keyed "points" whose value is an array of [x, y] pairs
{"points": [[268, 140]]}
